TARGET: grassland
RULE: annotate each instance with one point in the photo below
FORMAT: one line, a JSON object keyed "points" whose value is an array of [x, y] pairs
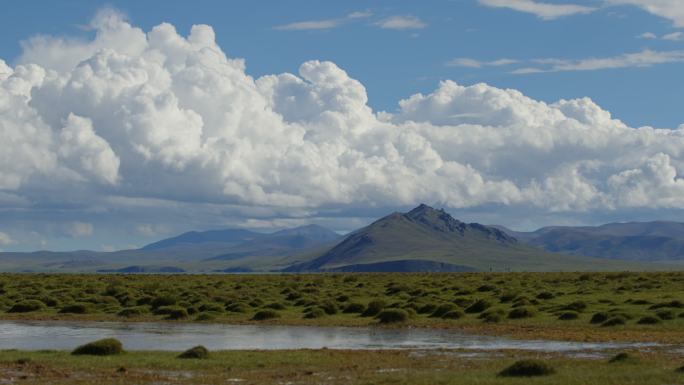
{"points": [[570, 306], [329, 367]]}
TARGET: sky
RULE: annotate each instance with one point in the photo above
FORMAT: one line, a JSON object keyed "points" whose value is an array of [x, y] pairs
{"points": [[124, 122]]}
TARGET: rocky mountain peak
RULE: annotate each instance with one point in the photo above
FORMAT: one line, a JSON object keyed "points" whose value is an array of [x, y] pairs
{"points": [[440, 220]]}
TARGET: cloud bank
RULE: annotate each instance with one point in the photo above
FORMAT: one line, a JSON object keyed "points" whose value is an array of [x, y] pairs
{"points": [[323, 24], [155, 121], [667, 9], [546, 11], [401, 22], [642, 59], [474, 63]]}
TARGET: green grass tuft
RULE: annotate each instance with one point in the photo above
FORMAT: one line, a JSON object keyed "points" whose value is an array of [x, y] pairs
{"points": [[263, 315], [198, 352], [527, 368], [104, 347], [392, 315]]}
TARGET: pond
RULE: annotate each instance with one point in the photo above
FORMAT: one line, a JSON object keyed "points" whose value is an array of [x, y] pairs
{"points": [[54, 335]]}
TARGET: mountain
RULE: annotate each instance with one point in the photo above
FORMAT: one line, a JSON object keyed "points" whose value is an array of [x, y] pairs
{"points": [[430, 235], [638, 241], [404, 266], [305, 235], [230, 250], [234, 244], [229, 237], [283, 242], [144, 269], [423, 239]]}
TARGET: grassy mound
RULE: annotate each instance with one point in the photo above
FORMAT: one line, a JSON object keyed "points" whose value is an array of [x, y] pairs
{"points": [[133, 311], [521, 312], [648, 320], [666, 315], [599, 317], [26, 306], [355, 307], [263, 315], [172, 312], [374, 308], [315, 312], [577, 306], [479, 306], [76, 308], [104, 347], [620, 357], [441, 310], [205, 316], [568, 315], [454, 314], [492, 316], [177, 313], [527, 368], [392, 316], [198, 352], [615, 321]]}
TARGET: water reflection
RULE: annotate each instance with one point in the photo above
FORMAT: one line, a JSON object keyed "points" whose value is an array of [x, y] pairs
{"points": [[171, 336]]}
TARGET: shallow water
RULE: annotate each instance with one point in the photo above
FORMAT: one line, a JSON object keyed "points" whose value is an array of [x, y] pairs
{"points": [[39, 335]]}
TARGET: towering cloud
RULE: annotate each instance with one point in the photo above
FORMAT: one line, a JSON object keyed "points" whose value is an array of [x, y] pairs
{"points": [[159, 116]]}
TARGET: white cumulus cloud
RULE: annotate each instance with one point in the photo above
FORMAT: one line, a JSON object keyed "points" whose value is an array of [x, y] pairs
{"points": [[171, 123], [89, 153]]}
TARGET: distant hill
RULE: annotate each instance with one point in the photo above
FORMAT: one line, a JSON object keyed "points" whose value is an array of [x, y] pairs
{"points": [[639, 241], [228, 237], [144, 269], [283, 242], [430, 235], [405, 266], [423, 240], [224, 250]]}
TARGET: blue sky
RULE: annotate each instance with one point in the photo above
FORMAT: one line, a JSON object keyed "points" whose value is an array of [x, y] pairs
{"points": [[393, 64], [117, 130]]}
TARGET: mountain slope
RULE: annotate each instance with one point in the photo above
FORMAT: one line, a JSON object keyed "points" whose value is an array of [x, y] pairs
{"points": [[642, 241], [191, 251], [423, 239], [230, 236], [283, 242], [426, 234]]}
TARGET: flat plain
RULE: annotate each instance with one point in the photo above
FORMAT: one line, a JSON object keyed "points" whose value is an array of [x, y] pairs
{"points": [[329, 367], [645, 307], [567, 306]]}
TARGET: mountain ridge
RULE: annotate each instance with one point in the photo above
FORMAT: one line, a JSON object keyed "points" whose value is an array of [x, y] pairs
{"points": [[421, 239], [649, 241], [432, 235], [229, 236]]}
